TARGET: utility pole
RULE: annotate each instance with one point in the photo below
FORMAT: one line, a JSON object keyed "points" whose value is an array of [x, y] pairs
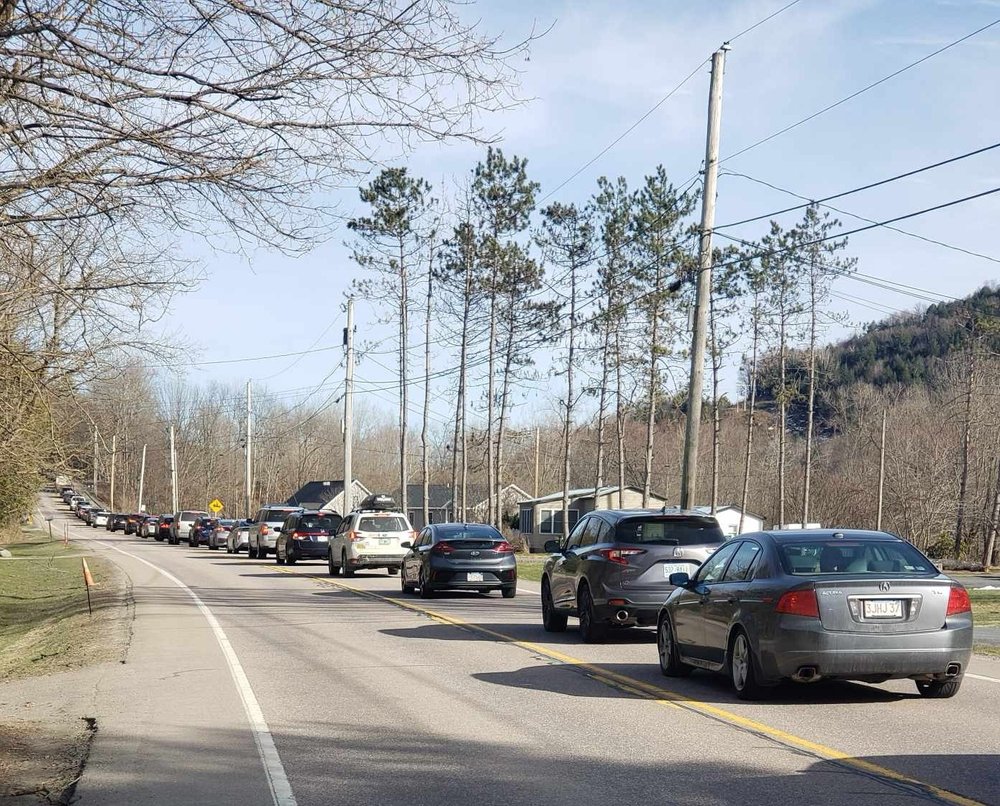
{"points": [[95, 461], [142, 477], [991, 539], [689, 472], [538, 444], [881, 472], [349, 410], [173, 473], [248, 458], [114, 455]]}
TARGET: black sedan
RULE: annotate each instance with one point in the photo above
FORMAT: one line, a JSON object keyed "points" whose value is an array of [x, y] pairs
{"points": [[814, 605], [305, 535], [116, 521], [459, 556]]}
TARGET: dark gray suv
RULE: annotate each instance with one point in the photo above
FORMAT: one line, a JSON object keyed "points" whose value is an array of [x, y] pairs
{"points": [[615, 567]]}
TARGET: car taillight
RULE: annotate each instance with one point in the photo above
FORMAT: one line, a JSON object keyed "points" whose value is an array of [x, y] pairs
{"points": [[300, 535], [444, 547], [798, 603], [958, 601], [620, 556], [264, 530], [503, 548], [354, 536]]}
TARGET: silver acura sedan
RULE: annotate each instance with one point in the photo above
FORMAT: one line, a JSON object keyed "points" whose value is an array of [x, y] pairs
{"points": [[814, 605]]}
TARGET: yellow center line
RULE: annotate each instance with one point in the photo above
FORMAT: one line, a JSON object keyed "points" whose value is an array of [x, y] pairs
{"points": [[664, 697]]}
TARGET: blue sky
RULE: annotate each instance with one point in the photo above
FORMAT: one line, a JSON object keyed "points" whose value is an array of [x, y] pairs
{"points": [[600, 68]]}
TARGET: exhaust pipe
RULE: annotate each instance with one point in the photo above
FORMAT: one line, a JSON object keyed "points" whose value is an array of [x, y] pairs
{"points": [[953, 670], [622, 616], [806, 674]]}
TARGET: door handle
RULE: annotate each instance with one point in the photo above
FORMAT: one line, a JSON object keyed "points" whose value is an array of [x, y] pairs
{"points": [[732, 599]]}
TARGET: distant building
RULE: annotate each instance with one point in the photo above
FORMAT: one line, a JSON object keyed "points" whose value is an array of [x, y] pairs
{"points": [[327, 495], [444, 505], [542, 518], [729, 519]]}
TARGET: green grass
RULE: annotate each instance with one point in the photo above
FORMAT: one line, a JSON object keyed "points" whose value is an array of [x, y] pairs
{"points": [[44, 622], [529, 566], [987, 649], [985, 607]]}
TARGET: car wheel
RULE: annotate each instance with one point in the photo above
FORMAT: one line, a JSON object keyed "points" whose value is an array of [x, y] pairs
{"points": [[278, 559], [591, 630], [404, 586], [426, 591], [670, 663], [333, 569], [939, 689], [508, 593], [290, 558], [261, 552], [229, 549], [551, 620], [743, 668], [251, 552], [212, 547], [347, 569], [392, 571]]}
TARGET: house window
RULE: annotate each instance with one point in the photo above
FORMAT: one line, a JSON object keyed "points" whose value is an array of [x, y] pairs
{"points": [[552, 520], [527, 521]]}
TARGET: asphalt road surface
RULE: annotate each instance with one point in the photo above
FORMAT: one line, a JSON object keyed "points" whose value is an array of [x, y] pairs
{"points": [[256, 685]]}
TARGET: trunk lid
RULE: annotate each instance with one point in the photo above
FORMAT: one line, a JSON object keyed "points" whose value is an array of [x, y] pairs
{"points": [[886, 606]]}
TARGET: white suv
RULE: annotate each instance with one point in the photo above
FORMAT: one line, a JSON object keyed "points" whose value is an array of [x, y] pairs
{"points": [[370, 538], [264, 529]]}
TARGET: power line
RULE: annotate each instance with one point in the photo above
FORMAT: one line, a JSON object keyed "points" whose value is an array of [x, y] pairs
{"points": [[859, 189], [861, 91], [842, 211], [757, 24], [247, 360]]}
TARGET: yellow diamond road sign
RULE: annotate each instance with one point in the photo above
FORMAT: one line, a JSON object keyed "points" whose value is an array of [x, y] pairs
{"points": [[216, 506]]}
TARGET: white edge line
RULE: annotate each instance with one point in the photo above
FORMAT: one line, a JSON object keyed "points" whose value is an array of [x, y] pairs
{"points": [[281, 789]]}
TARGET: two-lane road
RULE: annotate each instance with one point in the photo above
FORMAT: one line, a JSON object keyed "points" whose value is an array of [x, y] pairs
{"points": [[253, 684]]}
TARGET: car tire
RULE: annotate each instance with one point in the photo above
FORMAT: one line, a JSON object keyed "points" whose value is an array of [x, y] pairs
{"points": [[666, 647], [334, 570], [591, 630], [392, 571], [212, 547], [508, 593], [939, 689], [229, 549], [743, 667], [261, 552], [251, 552], [290, 559], [278, 559], [347, 570], [551, 620], [426, 592], [404, 586]]}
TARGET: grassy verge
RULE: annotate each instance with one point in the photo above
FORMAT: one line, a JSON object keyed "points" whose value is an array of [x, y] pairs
{"points": [[529, 566], [985, 607], [44, 622], [987, 649]]}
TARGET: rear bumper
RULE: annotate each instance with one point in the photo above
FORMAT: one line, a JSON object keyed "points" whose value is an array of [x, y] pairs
{"points": [[308, 549], [801, 642], [643, 607], [457, 578], [375, 561]]}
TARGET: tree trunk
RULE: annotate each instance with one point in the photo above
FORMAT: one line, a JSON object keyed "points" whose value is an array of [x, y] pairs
{"points": [[458, 509], [991, 540], [568, 422], [619, 419], [651, 401], [425, 463], [782, 420], [963, 488], [601, 412], [404, 326], [811, 406], [752, 383], [508, 369], [490, 402]]}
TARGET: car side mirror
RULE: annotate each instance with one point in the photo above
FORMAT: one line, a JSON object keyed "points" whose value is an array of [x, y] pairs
{"points": [[552, 547], [680, 580], [405, 544]]}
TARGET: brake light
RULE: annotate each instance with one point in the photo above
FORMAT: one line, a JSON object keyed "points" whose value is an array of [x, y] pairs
{"points": [[264, 530], [798, 603], [503, 547], [958, 601], [354, 536], [444, 547], [620, 556]]}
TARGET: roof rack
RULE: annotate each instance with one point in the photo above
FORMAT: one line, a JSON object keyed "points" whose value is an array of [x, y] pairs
{"points": [[378, 502]]}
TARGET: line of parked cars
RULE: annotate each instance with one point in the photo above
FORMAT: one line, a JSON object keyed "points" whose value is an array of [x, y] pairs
{"points": [[762, 608]]}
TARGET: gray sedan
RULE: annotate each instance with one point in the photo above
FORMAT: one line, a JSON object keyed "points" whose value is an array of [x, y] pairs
{"points": [[814, 605]]}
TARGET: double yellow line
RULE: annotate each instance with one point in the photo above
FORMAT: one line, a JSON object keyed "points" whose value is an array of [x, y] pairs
{"points": [[669, 699]]}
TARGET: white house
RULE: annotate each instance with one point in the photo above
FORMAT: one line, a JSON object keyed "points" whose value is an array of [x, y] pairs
{"points": [[729, 519]]}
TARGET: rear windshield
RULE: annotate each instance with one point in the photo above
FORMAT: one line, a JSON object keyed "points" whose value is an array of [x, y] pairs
{"points": [[190, 516], [853, 557], [658, 531], [468, 532], [326, 522], [275, 515], [384, 523], [168, 519]]}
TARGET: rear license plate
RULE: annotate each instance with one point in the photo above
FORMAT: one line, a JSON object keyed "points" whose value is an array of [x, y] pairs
{"points": [[883, 608], [384, 541], [474, 576], [320, 538], [675, 568]]}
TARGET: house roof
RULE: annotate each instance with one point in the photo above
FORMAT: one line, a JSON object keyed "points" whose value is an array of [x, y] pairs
{"points": [[582, 492], [706, 510], [438, 495], [317, 494]]}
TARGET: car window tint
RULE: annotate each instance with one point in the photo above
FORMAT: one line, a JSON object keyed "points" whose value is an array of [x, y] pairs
{"points": [[577, 534], [318, 522], [855, 556], [742, 562], [712, 570], [666, 531], [592, 532], [382, 523]]}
